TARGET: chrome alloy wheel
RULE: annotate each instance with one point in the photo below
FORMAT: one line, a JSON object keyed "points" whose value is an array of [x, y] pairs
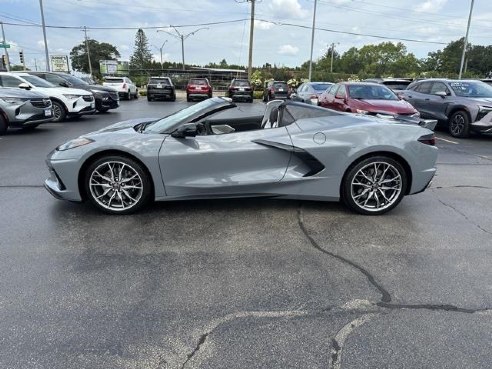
{"points": [[116, 186], [57, 113], [457, 124], [376, 186]]}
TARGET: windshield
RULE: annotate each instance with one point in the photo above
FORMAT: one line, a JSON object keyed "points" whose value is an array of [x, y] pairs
{"points": [[397, 85], [200, 82], [322, 86], [471, 89], [163, 81], [241, 83], [114, 80], [74, 80], [181, 116], [38, 82], [371, 92]]}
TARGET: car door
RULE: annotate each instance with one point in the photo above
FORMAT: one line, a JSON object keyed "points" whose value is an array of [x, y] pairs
{"points": [[327, 97], [437, 104], [417, 97], [225, 164], [299, 94], [340, 99]]}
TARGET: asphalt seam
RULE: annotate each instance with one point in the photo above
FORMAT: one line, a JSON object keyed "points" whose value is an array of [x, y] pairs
{"points": [[21, 186], [464, 216]]}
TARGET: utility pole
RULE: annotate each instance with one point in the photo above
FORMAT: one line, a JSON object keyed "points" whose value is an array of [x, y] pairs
{"points": [[181, 37], [332, 51], [251, 29], [5, 49], [312, 41], [88, 51], [466, 39], [36, 64], [44, 37]]}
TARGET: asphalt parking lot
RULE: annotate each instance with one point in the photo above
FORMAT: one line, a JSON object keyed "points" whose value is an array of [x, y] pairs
{"points": [[249, 283]]}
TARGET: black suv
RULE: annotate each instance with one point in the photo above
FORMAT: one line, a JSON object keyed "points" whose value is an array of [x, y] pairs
{"points": [[161, 87], [276, 90], [106, 97], [240, 89]]}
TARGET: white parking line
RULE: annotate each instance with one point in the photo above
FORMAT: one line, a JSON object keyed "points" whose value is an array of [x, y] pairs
{"points": [[443, 139]]}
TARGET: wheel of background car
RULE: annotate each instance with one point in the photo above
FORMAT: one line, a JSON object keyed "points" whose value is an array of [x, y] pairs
{"points": [[136, 94], [128, 95], [117, 185], [374, 185], [149, 98], [3, 125], [188, 98], [59, 113], [102, 110], [459, 124], [173, 97]]}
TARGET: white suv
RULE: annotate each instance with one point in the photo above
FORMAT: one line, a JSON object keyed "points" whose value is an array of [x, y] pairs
{"points": [[66, 101], [124, 85]]}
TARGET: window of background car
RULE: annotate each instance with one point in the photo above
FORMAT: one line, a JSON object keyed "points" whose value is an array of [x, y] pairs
{"points": [[371, 92], [54, 79], [321, 86], [302, 88], [471, 89], [341, 93], [8, 81], [423, 88], [439, 87], [396, 85], [200, 82], [278, 85], [162, 81], [241, 83], [74, 80], [38, 82], [114, 80]]}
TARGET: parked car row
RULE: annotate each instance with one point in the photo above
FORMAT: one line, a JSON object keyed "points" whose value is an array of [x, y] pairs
{"points": [[30, 98]]}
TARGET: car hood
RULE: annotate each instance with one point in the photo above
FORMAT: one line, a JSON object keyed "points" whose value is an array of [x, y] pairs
{"points": [[54, 91], [124, 125], [101, 88], [390, 106], [17, 92]]}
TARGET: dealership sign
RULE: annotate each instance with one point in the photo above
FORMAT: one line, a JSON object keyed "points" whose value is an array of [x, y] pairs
{"points": [[59, 63]]}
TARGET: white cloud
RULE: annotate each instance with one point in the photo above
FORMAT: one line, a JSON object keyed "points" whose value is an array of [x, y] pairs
{"points": [[288, 50], [430, 6], [263, 25], [288, 9]]}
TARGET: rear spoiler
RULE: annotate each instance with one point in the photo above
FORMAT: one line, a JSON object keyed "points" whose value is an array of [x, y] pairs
{"points": [[426, 123]]}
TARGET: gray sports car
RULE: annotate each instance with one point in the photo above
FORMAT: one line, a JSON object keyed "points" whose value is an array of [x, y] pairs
{"points": [[294, 151]]}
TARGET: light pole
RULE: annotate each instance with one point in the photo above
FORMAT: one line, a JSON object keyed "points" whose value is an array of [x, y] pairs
{"points": [[312, 41], [160, 49], [466, 39], [7, 60], [44, 37], [332, 52], [251, 29], [88, 51], [182, 37]]}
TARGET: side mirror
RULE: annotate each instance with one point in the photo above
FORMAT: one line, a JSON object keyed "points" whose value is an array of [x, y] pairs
{"points": [[186, 130], [64, 84], [24, 86], [443, 94]]}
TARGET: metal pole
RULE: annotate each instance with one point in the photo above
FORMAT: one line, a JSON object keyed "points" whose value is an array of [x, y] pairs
{"points": [[162, 65], [466, 39], [312, 41], [7, 59], [88, 51], [44, 37], [332, 51], [36, 64], [251, 29], [183, 50], [23, 60]]}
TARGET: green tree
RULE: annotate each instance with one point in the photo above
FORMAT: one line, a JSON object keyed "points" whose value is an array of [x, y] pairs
{"points": [[141, 57], [98, 51]]}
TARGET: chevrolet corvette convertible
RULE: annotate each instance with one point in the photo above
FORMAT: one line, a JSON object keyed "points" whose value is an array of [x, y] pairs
{"points": [[293, 150]]}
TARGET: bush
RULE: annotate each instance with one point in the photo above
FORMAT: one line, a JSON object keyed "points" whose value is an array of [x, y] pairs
{"points": [[257, 94], [142, 92]]}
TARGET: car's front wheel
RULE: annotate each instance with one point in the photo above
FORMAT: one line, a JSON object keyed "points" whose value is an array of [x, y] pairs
{"points": [[3, 125], [117, 185], [59, 113], [374, 185], [459, 124]]}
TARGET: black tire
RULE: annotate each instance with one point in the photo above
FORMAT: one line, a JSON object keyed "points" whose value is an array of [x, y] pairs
{"points": [[459, 124], [59, 112], [128, 95], [3, 125], [372, 192], [136, 95], [188, 98], [149, 98], [141, 196], [173, 97], [31, 127], [103, 110]]}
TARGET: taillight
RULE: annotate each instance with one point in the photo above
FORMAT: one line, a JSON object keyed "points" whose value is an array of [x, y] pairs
{"points": [[428, 139]]}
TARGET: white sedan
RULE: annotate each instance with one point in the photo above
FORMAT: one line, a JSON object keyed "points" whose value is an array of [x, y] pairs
{"points": [[124, 85]]}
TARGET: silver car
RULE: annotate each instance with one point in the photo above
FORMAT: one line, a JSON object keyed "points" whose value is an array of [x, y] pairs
{"points": [[461, 105], [23, 109], [309, 92], [294, 150]]}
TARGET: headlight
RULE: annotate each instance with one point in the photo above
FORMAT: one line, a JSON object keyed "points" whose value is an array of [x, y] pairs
{"points": [[416, 115], [81, 141], [69, 96], [13, 100], [362, 111], [485, 108]]}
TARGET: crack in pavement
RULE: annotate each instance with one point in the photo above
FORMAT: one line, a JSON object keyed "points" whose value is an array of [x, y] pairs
{"points": [[432, 307], [460, 186], [464, 216], [21, 186], [385, 295]]}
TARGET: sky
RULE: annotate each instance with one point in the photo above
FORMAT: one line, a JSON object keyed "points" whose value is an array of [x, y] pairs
{"points": [[432, 22]]}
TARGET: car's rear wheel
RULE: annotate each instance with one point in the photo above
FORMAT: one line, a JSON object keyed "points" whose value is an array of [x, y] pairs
{"points": [[459, 124], [103, 110], [374, 185], [188, 98], [117, 185], [173, 97], [149, 98], [128, 95], [59, 113], [3, 125]]}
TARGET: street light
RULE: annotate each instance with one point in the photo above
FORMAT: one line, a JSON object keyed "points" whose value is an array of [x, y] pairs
{"points": [[465, 44], [160, 49], [182, 37], [44, 37]]}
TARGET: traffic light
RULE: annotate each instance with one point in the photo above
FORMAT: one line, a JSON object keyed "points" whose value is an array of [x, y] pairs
{"points": [[21, 56], [4, 61]]}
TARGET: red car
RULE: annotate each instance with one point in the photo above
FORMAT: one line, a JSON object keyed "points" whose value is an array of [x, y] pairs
{"points": [[198, 88], [365, 98]]}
